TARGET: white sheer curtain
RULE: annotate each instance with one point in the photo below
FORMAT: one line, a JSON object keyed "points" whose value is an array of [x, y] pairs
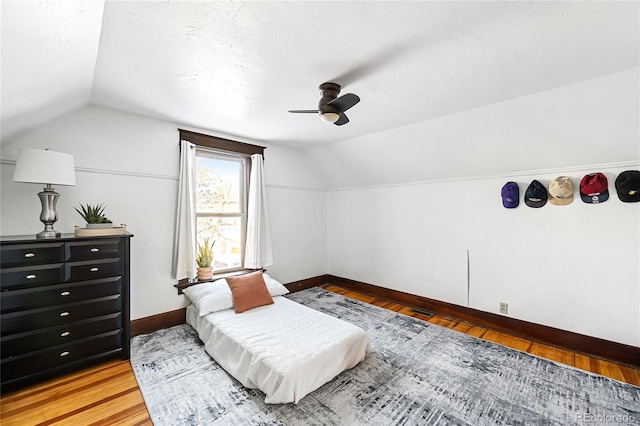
{"points": [[184, 237], [258, 252]]}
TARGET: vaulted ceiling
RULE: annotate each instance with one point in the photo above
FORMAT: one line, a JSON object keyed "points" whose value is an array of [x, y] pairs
{"points": [[236, 68]]}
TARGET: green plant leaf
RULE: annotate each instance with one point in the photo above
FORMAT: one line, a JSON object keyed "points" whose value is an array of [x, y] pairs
{"points": [[92, 214], [204, 254]]}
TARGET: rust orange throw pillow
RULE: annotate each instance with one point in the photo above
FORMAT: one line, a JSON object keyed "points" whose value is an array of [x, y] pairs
{"points": [[249, 291]]}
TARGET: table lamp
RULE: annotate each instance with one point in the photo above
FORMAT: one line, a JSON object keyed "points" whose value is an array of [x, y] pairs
{"points": [[49, 168]]}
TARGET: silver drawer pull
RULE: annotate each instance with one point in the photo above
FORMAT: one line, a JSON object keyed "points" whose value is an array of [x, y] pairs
{"points": [[30, 277], [65, 353], [29, 255], [64, 314], [93, 269], [65, 293], [95, 250], [65, 334]]}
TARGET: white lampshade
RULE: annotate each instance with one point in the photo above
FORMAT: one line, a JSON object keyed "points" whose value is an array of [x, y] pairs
{"points": [[329, 117], [44, 166]]}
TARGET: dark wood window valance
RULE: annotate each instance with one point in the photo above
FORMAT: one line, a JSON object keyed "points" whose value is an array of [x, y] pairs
{"points": [[220, 143]]}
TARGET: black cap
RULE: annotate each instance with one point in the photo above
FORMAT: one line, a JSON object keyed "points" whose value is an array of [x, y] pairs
{"points": [[536, 195], [628, 186]]}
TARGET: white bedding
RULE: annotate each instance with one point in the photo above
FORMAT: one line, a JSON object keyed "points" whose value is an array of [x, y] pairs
{"points": [[286, 349]]}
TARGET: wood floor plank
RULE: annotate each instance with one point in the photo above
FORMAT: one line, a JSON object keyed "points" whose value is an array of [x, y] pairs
{"points": [[610, 370], [631, 375], [135, 416], [99, 412], [462, 327], [546, 351], [507, 340], [477, 331], [582, 362]]}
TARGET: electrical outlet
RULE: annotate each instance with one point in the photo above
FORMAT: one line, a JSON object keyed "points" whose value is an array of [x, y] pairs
{"points": [[504, 308]]}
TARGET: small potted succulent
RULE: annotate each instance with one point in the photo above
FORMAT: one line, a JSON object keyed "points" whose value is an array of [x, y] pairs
{"points": [[94, 216], [204, 258]]}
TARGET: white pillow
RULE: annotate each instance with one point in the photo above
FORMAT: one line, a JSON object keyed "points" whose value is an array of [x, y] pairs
{"points": [[210, 297], [216, 296], [275, 288]]}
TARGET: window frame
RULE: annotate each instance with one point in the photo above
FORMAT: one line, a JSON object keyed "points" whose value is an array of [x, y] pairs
{"points": [[221, 148], [221, 144]]}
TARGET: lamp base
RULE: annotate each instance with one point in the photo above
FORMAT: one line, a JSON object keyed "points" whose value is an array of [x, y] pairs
{"points": [[48, 233], [48, 216]]}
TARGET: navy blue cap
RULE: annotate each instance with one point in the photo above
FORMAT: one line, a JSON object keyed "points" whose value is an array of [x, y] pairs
{"points": [[536, 195]]}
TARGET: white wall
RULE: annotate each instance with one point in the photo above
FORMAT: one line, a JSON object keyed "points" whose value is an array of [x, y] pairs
{"points": [[573, 267], [131, 163]]}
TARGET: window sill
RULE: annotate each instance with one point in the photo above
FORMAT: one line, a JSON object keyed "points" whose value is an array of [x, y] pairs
{"points": [[184, 283]]}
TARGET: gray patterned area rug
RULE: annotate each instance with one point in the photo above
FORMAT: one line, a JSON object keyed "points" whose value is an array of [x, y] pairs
{"points": [[415, 374]]}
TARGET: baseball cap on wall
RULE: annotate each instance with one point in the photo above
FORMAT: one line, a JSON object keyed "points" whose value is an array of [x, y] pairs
{"points": [[510, 195], [536, 195], [561, 191], [628, 186], [594, 188]]}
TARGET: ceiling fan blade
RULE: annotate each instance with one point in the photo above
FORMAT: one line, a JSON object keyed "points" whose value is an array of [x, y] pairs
{"points": [[345, 102], [342, 119], [304, 111]]}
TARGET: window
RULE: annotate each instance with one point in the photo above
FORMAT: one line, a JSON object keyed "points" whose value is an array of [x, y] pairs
{"points": [[222, 186], [221, 199]]}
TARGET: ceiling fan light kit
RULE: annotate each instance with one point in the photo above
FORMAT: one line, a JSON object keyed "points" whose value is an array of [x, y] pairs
{"points": [[331, 108], [329, 117]]}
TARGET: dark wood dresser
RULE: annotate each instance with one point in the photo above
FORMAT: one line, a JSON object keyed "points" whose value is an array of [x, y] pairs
{"points": [[64, 305]]}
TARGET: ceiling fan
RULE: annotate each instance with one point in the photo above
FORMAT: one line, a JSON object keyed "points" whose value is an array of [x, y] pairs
{"points": [[331, 107]]}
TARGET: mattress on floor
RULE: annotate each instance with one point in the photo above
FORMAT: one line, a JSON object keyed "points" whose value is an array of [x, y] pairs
{"points": [[285, 349]]}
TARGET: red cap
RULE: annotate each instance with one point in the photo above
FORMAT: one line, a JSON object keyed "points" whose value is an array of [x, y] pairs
{"points": [[593, 188]]}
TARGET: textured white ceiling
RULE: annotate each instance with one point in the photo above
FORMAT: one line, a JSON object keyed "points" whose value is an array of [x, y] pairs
{"points": [[235, 68], [48, 53]]}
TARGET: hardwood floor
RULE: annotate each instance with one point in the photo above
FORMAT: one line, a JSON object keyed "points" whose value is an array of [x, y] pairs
{"points": [[109, 395], [106, 394]]}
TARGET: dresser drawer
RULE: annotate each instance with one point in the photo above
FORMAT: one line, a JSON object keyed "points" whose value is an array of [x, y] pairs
{"points": [[36, 297], [31, 254], [22, 343], [31, 276], [94, 249], [90, 269], [56, 356], [34, 319]]}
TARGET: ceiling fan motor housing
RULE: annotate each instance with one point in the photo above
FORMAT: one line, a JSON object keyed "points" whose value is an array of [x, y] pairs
{"points": [[328, 92]]}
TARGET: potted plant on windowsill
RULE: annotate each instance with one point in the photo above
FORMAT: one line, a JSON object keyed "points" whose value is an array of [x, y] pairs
{"points": [[94, 216], [204, 258]]}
